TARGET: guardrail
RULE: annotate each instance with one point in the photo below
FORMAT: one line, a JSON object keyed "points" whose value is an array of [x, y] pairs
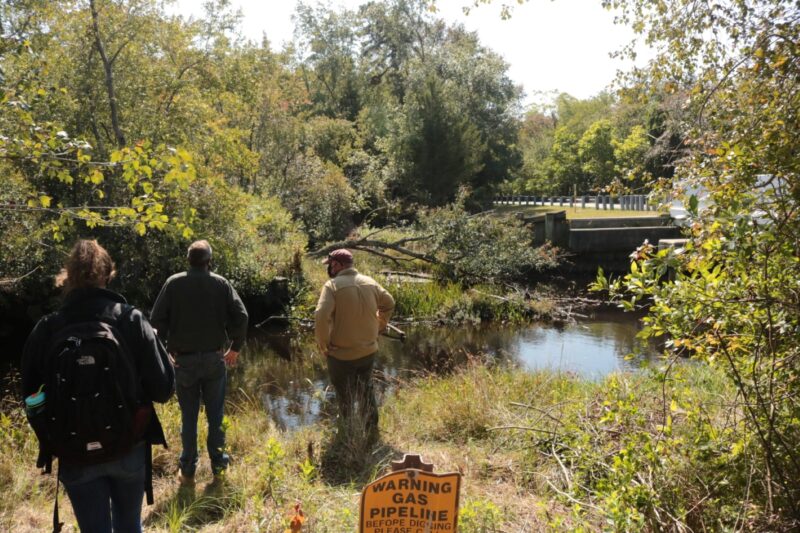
{"points": [[627, 202]]}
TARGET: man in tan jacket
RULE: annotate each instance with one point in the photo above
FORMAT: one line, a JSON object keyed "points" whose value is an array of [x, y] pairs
{"points": [[352, 310]]}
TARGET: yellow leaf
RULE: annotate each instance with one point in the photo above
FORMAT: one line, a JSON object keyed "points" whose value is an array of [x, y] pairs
{"points": [[96, 177], [780, 62], [141, 229], [65, 176], [737, 448], [45, 200]]}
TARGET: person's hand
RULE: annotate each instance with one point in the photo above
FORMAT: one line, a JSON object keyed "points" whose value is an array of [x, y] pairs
{"points": [[230, 357], [172, 360]]}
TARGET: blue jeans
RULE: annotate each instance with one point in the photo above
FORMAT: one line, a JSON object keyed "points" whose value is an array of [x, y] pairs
{"points": [[201, 376], [108, 494]]}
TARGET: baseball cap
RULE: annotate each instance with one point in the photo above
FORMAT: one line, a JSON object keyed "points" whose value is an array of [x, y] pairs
{"points": [[341, 255]]}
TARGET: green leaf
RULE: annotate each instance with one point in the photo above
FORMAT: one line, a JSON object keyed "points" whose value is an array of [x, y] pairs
{"points": [[693, 204]]}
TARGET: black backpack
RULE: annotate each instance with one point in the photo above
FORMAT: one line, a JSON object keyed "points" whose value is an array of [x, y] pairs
{"points": [[93, 411]]}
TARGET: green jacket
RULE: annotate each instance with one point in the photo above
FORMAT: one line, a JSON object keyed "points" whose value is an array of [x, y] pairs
{"points": [[199, 311]]}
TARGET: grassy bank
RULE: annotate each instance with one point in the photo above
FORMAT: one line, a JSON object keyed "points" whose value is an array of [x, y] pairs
{"points": [[537, 451]]}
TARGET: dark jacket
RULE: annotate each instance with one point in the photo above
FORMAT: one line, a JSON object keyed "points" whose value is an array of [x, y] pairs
{"points": [[199, 311], [156, 374]]}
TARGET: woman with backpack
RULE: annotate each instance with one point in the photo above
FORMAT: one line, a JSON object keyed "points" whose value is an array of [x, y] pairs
{"points": [[90, 372]]}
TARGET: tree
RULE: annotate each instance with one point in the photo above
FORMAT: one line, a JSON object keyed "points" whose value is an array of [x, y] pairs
{"points": [[329, 64], [733, 301], [563, 163], [631, 156], [596, 153], [441, 149], [397, 34], [536, 136]]}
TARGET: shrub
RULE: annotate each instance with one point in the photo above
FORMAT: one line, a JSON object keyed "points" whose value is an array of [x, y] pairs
{"points": [[475, 248]]}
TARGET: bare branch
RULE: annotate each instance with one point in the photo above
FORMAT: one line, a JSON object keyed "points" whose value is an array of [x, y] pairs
{"points": [[13, 281], [369, 245]]}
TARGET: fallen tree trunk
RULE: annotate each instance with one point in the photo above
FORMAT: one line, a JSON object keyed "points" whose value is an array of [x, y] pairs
{"points": [[420, 275], [380, 248]]}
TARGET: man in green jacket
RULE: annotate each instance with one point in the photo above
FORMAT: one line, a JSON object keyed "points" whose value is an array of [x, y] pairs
{"points": [[352, 310], [204, 323]]}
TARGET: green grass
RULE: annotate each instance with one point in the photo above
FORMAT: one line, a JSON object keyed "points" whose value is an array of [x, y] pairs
{"points": [[573, 212], [537, 451]]}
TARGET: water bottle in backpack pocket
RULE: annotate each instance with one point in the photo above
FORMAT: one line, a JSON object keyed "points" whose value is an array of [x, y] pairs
{"points": [[36, 413]]}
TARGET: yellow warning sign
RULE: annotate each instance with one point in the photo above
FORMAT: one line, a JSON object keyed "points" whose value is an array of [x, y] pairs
{"points": [[411, 501]]}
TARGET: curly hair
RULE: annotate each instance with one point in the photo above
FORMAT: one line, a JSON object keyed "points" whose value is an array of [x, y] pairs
{"points": [[88, 265]]}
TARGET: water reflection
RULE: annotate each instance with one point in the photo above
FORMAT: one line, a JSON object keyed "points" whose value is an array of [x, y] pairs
{"points": [[591, 350], [288, 377]]}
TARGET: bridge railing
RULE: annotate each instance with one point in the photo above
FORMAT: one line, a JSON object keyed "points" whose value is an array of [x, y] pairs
{"points": [[627, 202]]}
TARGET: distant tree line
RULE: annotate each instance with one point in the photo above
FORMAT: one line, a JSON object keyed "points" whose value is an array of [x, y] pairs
{"points": [[608, 142]]}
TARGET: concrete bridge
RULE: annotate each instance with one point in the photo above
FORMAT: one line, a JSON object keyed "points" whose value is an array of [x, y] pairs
{"points": [[601, 242]]}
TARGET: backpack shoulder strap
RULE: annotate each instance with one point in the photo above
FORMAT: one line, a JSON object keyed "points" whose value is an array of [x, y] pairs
{"points": [[148, 472], [57, 523]]}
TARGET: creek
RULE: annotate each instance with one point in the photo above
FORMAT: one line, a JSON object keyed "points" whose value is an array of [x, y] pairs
{"points": [[288, 377]]}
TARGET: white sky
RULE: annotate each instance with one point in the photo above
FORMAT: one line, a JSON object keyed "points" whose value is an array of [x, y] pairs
{"points": [[560, 45]]}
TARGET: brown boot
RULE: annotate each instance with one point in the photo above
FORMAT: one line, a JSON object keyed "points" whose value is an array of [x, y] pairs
{"points": [[186, 480]]}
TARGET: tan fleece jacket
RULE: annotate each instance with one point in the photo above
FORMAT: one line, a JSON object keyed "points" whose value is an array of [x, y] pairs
{"points": [[351, 312]]}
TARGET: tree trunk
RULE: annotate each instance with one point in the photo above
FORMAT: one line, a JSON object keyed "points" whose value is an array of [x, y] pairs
{"points": [[112, 99]]}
